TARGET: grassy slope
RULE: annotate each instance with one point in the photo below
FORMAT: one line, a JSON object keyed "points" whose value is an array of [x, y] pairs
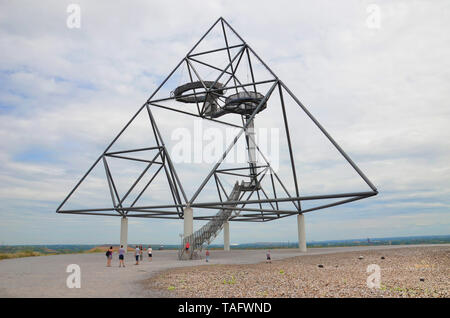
{"points": [[45, 252]]}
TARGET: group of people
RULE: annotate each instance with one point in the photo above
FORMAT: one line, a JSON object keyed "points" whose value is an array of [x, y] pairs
{"points": [[138, 254]]}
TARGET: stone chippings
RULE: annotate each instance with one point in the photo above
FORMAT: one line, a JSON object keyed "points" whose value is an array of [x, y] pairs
{"points": [[343, 275]]}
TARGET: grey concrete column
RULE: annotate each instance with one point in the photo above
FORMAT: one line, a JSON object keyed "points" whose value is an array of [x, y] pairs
{"points": [[188, 221], [124, 232], [301, 232], [226, 236]]}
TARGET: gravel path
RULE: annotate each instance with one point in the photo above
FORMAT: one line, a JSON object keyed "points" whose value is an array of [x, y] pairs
{"points": [[405, 272], [45, 276]]}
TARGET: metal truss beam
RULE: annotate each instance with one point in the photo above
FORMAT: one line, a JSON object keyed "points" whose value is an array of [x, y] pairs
{"points": [[180, 199]]}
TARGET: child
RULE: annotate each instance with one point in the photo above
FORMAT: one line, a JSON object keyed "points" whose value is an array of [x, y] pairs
{"points": [[207, 255], [268, 259]]}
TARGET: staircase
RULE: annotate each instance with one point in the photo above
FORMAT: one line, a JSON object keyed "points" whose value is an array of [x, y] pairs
{"points": [[208, 232]]}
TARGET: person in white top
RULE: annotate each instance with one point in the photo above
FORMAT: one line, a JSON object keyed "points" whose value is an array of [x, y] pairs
{"points": [[149, 253], [121, 256], [136, 254]]}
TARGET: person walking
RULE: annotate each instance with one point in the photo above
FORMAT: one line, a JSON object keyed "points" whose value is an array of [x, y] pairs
{"points": [[207, 255], [268, 259], [121, 256], [141, 252], [136, 254], [109, 253], [187, 246], [149, 251]]}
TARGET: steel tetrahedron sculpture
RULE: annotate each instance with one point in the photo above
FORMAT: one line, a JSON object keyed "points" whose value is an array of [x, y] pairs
{"points": [[219, 90]]}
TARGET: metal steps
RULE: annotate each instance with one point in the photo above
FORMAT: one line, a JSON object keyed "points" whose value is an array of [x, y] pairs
{"points": [[208, 232]]}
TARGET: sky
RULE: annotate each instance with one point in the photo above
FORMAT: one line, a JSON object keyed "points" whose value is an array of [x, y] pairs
{"points": [[375, 74]]}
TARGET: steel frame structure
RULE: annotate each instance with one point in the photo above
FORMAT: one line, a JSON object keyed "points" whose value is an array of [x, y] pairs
{"points": [[162, 159]]}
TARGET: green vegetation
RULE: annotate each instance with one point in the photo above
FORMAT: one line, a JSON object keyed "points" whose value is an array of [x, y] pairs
{"points": [[94, 250], [410, 292], [232, 281], [16, 251], [20, 254]]}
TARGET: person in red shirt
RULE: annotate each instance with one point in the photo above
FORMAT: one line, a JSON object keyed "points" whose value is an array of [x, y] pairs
{"points": [[207, 255], [187, 246]]}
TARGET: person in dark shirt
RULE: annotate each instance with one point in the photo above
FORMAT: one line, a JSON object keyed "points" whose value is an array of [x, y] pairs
{"points": [[109, 253]]}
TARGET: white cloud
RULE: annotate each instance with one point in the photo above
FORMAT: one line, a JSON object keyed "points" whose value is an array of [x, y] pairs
{"points": [[381, 93]]}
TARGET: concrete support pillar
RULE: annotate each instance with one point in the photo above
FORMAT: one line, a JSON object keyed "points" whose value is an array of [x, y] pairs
{"points": [[301, 232], [226, 236], [124, 232], [188, 221]]}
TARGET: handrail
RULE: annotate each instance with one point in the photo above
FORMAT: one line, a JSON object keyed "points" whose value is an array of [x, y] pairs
{"points": [[210, 230]]}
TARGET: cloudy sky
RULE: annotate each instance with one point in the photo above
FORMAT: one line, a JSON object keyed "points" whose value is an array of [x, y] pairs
{"points": [[379, 86]]}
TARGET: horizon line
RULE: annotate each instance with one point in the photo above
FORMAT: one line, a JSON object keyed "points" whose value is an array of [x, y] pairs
{"points": [[293, 242]]}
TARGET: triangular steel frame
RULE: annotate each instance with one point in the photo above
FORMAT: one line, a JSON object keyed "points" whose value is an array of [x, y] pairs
{"points": [[180, 200]]}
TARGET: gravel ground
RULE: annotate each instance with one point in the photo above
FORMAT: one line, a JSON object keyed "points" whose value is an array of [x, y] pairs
{"points": [[405, 272]]}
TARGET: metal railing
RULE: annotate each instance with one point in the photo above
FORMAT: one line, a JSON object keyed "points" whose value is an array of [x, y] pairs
{"points": [[208, 232]]}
